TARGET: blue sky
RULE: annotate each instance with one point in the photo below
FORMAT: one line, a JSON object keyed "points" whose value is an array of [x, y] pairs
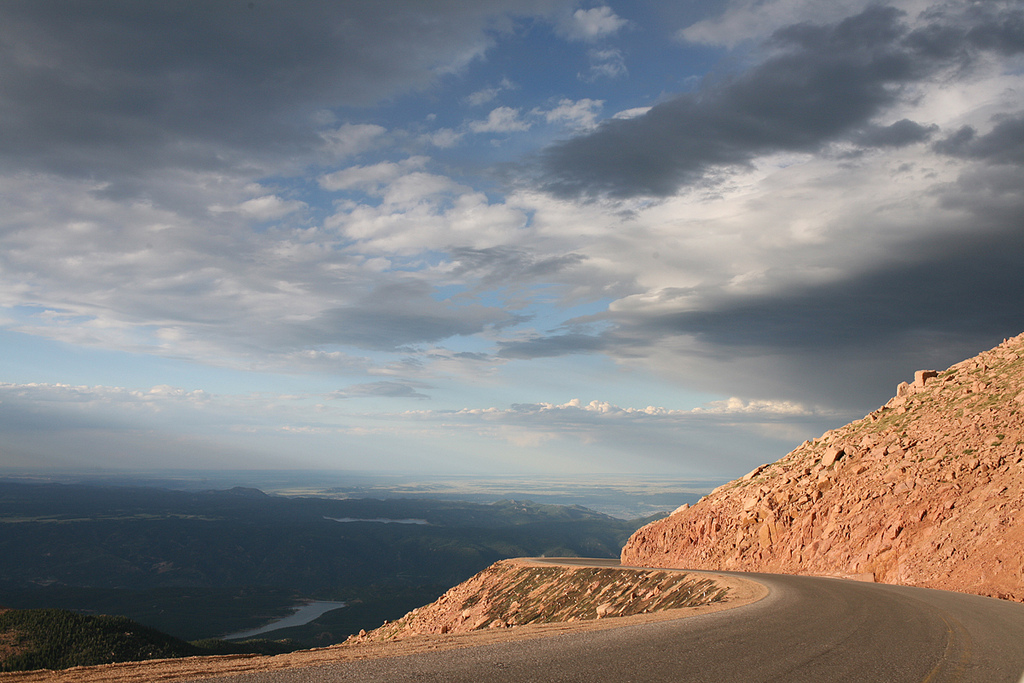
{"points": [[513, 236]]}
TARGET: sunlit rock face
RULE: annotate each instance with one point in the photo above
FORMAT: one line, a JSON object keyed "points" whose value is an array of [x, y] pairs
{"points": [[927, 490]]}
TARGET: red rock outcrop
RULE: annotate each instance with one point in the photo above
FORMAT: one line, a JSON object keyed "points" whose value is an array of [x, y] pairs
{"points": [[928, 490]]}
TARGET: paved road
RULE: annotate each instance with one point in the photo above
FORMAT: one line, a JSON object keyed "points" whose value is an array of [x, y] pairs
{"points": [[807, 630]]}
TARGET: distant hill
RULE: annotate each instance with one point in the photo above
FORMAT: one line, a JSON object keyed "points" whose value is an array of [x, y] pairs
{"points": [[201, 565], [928, 490]]}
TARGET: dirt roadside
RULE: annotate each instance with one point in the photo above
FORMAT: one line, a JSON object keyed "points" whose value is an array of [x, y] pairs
{"points": [[741, 592]]}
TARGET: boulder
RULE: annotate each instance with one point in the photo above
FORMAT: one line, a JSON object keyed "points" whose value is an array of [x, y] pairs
{"points": [[832, 454]]}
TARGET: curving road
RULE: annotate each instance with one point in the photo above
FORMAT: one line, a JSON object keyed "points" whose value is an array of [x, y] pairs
{"points": [[808, 629]]}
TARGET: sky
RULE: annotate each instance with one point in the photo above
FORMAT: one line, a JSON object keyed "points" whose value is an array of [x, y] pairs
{"points": [[494, 236]]}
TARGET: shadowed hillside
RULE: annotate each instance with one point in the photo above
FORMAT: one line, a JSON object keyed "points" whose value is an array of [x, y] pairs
{"points": [[201, 565]]}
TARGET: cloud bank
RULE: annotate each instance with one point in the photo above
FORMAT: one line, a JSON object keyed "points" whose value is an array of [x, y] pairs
{"points": [[373, 205]]}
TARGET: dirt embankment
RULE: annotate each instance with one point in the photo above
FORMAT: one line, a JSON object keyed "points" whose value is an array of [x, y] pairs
{"points": [[516, 592], [928, 490]]}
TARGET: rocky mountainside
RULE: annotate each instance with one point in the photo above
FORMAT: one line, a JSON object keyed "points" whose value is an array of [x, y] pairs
{"points": [[928, 490], [520, 592]]}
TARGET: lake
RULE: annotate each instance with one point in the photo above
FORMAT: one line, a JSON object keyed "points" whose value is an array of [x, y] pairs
{"points": [[379, 520], [302, 615]]}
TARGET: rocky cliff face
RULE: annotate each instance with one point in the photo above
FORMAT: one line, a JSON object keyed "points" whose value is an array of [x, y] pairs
{"points": [[928, 490], [520, 592]]}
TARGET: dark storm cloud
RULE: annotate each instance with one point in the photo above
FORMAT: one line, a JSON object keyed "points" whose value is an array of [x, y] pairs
{"points": [[819, 84], [960, 296], [115, 86], [974, 290], [900, 134], [1002, 32], [1004, 144]]}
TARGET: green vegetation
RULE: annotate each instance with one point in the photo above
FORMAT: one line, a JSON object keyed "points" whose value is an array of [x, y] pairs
{"points": [[58, 639]]}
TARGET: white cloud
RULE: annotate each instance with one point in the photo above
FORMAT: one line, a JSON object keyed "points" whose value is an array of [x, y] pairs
{"points": [[482, 96], [592, 24], [154, 399], [605, 410], [351, 139], [443, 138], [420, 211], [608, 63], [738, 406], [265, 208], [631, 113], [579, 114], [154, 271], [501, 120], [485, 95], [370, 178]]}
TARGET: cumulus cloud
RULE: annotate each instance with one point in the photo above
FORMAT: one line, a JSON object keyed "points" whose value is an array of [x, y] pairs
{"points": [[485, 95], [593, 24], [579, 114], [134, 151], [421, 211], [442, 138], [370, 178], [501, 120], [265, 208], [351, 139], [841, 208]]}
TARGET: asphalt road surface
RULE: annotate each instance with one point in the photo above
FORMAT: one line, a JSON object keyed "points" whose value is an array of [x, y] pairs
{"points": [[808, 629]]}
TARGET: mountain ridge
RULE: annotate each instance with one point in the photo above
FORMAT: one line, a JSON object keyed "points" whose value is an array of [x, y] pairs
{"points": [[926, 490]]}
